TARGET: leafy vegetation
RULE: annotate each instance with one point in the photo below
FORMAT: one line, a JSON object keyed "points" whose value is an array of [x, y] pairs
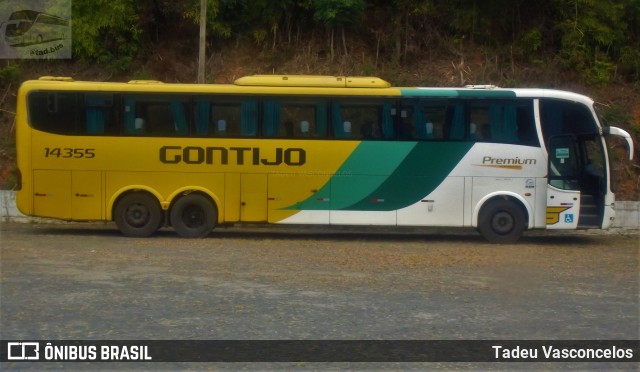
{"points": [[106, 31], [10, 74], [599, 39], [590, 46]]}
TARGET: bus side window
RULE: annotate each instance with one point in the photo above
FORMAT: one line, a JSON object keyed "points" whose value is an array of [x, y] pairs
{"points": [[202, 117], [527, 134], [422, 120], [179, 118], [408, 118], [388, 113], [321, 119], [336, 118], [99, 117], [300, 120], [455, 122], [479, 123], [158, 118], [271, 119], [155, 115], [131, 124], [360, 120], [502, 122], [249, 118], [225, 118], [54, 112]]}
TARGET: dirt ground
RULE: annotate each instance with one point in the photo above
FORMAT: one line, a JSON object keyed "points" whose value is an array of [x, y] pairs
{"points": [[86, 281]]}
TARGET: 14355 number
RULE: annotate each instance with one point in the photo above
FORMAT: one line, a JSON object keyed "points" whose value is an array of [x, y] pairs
{"points": [[67, 152]]}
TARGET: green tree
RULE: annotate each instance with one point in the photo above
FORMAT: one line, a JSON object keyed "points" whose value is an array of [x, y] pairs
{"points": [[405, 21], [338, 14], [592, 31], [106, 31]]}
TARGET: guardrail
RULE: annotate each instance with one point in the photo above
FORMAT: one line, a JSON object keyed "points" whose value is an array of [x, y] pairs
{"points": [[627, 212]]}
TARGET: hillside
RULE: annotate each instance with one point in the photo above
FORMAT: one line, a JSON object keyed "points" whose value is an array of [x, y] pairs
{"points": [[402, 42]]}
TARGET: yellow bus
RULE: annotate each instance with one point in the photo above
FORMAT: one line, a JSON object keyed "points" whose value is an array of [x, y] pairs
{"points": [[312, 150]]}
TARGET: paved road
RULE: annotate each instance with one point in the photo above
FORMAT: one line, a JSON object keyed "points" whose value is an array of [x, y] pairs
{"points": [[86, 281]]}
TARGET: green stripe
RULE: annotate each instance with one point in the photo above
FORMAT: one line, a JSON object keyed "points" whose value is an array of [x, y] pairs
{"points": [[363, 172], [419, 174], [458, 93], [385, 176]]}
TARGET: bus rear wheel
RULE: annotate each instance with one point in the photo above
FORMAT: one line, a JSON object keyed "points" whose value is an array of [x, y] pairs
{"points": [[138, 214], [502, 222], [193, 216]]}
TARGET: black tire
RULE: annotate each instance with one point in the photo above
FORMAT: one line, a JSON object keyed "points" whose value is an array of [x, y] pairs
{"points": [[138, 215], [193, 216], [501, 222]]}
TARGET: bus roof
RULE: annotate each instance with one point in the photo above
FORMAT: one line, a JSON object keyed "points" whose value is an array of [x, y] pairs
{"points": [[320, 81], [306, 85]]}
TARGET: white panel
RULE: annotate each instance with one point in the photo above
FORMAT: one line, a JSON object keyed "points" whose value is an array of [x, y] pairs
{"points": [[468, 205], [443, 207], [563, 208], [541, 203], [502, 160], [363, 218], [523, 188], [308, 217]]}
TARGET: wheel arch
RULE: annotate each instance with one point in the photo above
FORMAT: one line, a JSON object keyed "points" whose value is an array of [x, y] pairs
{"points": [[131, 189], [177, 194], [502, 195]]}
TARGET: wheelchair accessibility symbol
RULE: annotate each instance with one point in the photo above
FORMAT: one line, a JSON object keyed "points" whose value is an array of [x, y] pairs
{"points": [[568, 218]]}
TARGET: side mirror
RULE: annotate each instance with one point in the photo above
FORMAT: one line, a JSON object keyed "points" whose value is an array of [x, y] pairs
{"points": [[614, 131]]}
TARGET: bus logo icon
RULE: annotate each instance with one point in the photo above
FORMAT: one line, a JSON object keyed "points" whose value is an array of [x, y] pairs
{"points": [[29, 27], [23, 350], [31, 31]]}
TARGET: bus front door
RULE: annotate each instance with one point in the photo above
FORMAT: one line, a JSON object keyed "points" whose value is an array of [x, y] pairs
{"points": [[563, 189]]}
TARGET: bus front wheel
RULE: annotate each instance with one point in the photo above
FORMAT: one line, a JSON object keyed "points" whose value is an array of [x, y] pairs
{"points": [[138, 214], [502, 222], [193, 216]]}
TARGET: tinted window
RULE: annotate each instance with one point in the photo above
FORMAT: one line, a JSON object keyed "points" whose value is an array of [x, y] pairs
{"points": [[172, 115], [291, 118], [502, 122], [155, 115], [222, 116], [72, 113], [99, 115], [562, 117], [352, 119], [422, 120], [54, 112]]}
